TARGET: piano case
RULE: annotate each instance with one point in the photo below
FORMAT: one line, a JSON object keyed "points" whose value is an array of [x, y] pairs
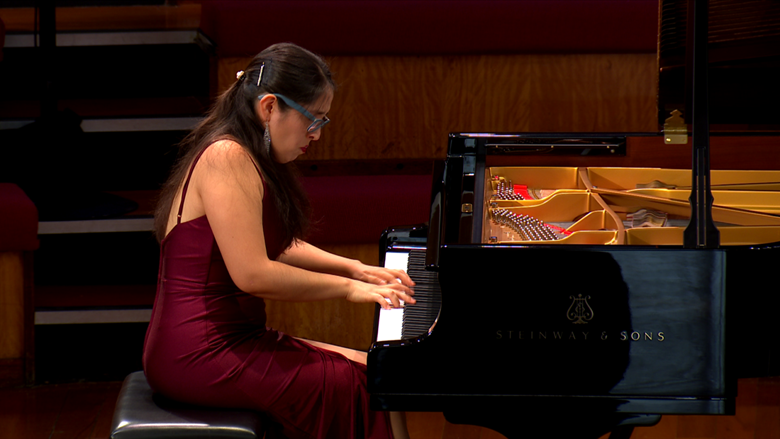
{"points": [[602, 312]]}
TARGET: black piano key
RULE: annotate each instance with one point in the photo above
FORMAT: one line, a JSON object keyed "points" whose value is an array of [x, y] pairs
{"points": [[419, 318]]}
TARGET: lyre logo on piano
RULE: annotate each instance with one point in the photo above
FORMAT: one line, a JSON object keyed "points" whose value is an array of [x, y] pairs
{"points": [[579, 311]]}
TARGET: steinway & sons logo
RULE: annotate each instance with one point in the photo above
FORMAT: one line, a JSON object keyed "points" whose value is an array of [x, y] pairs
{"points": [[579, 313]]}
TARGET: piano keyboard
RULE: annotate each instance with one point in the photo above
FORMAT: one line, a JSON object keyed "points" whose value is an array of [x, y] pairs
{"points": [[414, 320]]}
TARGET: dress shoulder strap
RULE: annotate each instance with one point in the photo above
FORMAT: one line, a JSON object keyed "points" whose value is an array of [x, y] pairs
{"points": [[189, 175], [187, 183]]}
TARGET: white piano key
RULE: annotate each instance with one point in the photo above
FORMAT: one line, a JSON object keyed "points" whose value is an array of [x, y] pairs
{"points": [[390, 324], [396, 260], [391, 320]]}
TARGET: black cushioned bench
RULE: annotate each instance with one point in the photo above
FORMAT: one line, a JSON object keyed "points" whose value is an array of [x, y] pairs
{"points": [[141, 414]]}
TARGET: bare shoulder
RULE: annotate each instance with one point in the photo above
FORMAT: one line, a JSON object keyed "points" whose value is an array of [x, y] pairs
{"points": [[227, 153], [227, 164], [228, 159]]}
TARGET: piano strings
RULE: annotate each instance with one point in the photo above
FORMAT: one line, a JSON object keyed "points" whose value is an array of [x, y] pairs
{"points": [[527, 227]]}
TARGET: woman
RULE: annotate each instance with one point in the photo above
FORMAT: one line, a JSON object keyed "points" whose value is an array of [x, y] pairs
{"points": [[231, 222]]}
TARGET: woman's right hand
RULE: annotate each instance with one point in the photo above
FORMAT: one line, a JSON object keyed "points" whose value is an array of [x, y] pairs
{"points": [[387, 295]]}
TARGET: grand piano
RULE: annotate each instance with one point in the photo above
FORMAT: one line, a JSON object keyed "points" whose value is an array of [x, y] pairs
{"points": [[573, 284]]}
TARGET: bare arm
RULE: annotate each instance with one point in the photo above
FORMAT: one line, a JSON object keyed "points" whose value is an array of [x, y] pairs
{"points": [[304, 255], [229, 189]]}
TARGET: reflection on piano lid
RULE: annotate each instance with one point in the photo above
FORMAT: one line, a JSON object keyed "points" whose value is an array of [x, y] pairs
{"points": [[551, 331]]}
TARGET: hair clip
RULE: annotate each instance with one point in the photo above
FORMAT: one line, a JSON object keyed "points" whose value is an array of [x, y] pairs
{"points": [[239, 74], [260, 76]]}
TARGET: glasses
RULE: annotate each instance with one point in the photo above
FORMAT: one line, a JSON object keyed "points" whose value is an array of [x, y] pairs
{"points": [[315, 123]]}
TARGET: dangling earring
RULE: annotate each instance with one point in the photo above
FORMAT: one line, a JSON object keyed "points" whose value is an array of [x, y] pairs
{"points": [[267, 139]]}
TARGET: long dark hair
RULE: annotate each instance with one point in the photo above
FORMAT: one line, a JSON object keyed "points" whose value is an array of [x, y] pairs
{"points": [[287, 69]]}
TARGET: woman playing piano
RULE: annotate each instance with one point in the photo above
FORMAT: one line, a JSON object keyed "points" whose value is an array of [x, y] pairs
{"points": [[231, 223]]}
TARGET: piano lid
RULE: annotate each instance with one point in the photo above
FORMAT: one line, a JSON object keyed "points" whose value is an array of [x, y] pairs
{"points": [[744, 63]]}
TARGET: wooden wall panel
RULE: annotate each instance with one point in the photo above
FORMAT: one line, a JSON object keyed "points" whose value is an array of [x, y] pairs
{"points": [[757, 416], [743, 423], [665, 429], [11, 305], [382, 103], [182, 16], [333, 321], [227, 69], [768, 408], [336, 322], [404, 107], [486, 93]]}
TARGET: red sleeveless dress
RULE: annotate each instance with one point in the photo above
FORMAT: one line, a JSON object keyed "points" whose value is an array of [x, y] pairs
{"points": [[207, 344]]}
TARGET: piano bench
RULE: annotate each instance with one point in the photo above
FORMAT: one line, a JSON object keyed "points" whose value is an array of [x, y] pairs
{"points": [[141, 414]]}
